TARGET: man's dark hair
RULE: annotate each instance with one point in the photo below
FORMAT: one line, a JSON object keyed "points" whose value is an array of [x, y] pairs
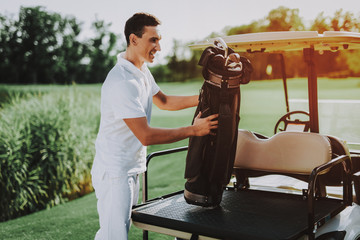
{"points": [[136, 24]]}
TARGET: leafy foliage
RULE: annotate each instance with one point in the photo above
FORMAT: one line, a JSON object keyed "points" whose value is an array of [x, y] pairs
{"points": [[44, 47], [333, 64], [284, 19], [99, 52], [46, 150]]}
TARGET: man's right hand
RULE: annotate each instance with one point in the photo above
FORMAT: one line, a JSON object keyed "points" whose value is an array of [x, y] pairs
{"points": [[203, 126]]}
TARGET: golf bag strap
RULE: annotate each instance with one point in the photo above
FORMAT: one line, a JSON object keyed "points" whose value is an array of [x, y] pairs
{"points": [[224, 159]]}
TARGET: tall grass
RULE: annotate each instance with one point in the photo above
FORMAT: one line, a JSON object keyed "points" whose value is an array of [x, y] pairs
{"points": [[9, 93], [46, 150]]}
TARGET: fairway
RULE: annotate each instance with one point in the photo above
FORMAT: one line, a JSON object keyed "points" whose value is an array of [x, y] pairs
{"points": [[338, 117], [262, 104]]}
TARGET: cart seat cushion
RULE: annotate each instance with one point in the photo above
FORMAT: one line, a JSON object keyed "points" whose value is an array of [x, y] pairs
{"points": [[285, 152]]}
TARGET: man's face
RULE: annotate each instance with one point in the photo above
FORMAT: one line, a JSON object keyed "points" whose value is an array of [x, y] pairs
{"points": [[149, 44]]}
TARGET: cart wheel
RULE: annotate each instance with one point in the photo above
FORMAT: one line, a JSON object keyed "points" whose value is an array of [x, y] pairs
{"points": [[302, 125]]}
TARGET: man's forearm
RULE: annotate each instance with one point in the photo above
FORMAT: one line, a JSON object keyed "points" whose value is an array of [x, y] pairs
{"points": [[166, 135], [172, 103], [150, 135], [181, 102]]}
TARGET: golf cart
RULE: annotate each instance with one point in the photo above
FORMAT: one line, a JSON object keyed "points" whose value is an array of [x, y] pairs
{"points": [[321, 174]]}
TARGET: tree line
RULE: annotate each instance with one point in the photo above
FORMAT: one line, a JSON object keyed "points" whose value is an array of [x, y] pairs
{"points": [[329, 63], [45, 47]]}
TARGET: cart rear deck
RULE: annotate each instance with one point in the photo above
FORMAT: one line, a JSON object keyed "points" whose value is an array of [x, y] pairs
{"points": [[245, 214]]}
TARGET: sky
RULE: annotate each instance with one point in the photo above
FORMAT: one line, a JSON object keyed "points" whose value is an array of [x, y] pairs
{"points": [[183, 20]]}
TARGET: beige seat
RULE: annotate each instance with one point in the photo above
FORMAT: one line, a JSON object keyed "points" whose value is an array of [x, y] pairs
{"points": [[285, 152], [293, 154]]}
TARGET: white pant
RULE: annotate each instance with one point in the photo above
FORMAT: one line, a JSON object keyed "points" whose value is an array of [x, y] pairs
{"points": [[116, 195]]}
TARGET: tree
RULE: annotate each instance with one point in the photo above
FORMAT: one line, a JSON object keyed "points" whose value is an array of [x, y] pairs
{"points": [[38, 37], [320, 23], [70, 54], [347, 62], [182, 65], [253, 27], [39, 47], [8, 46], [99, 52], [337, 63], [44, 47], [341, 21], [284, 19], [344, 22]]}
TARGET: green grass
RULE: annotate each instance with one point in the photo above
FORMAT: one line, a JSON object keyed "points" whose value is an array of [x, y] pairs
{"points": [[262, 104], [74, 220]]}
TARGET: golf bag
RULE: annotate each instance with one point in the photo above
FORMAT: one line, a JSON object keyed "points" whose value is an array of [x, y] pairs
{"points": [[210, 158]]}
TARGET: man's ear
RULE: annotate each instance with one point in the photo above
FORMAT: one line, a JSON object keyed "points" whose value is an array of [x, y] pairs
{"points": [[133, 39]]}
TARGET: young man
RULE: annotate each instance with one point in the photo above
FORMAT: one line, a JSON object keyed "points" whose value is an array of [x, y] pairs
{"points": [[126, 100]]}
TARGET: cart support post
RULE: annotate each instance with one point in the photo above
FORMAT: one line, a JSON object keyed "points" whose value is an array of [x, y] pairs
{"points": [[145, 198], [283, 73], [312, 89]]}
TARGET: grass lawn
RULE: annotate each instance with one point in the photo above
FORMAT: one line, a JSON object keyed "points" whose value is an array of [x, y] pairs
{"points": [[262, 104]]}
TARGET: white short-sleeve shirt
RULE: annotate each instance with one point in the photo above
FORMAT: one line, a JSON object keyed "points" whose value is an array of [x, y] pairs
{"points": [[126, 93]]}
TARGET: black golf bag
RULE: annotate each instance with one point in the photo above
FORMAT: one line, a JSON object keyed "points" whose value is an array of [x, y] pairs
{"points": [[210, 158]]}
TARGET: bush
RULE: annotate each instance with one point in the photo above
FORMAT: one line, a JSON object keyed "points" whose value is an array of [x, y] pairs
{"points": [[11, 93], [46, 149]]}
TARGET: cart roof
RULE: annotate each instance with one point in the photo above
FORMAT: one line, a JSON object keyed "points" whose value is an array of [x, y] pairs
{"points": [[288, 41]]}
